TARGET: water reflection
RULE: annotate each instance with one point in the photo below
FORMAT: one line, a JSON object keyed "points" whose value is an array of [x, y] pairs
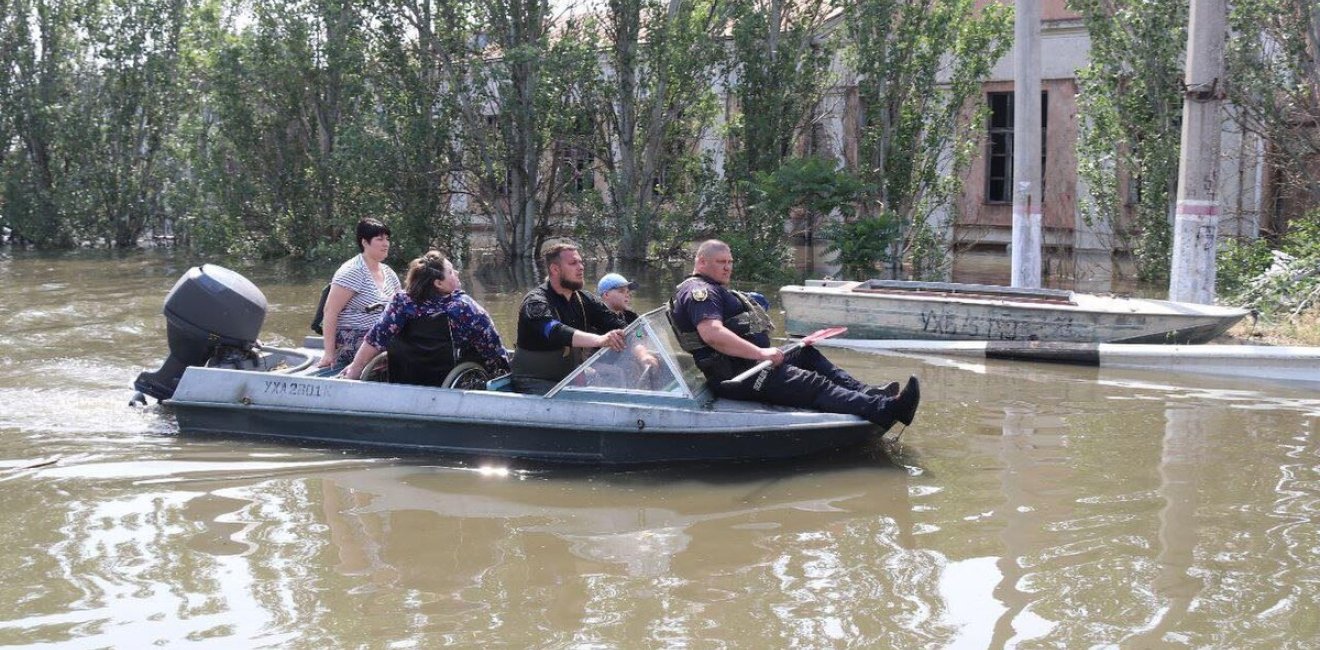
{"points": [[1105, 531], [1172, 588], [206, 553], [1030, 505]]}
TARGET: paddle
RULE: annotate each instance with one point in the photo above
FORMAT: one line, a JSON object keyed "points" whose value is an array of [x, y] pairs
{"points": [[805, 341]]}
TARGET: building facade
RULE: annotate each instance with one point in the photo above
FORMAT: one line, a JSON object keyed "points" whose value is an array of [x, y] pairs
{"points": [[1077, 245]]}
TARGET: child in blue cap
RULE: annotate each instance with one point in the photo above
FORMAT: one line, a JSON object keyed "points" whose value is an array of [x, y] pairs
{"points": [[616, 291]]}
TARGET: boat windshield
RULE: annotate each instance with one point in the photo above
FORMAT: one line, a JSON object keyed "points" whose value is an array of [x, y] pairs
{"points": [[651, 363]]}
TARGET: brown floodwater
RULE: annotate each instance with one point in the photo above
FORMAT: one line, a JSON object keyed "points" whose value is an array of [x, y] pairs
{"points": [[1035, 506]]}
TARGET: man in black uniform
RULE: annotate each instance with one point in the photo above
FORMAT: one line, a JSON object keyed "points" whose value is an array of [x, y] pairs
{"points": [[727, 333], [559, 324]]}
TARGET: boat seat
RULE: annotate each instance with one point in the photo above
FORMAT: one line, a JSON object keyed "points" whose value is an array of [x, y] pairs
{"points": [[502, 383]]}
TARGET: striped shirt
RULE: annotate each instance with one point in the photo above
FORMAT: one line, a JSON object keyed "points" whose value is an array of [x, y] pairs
{"points": [[369, 300]]}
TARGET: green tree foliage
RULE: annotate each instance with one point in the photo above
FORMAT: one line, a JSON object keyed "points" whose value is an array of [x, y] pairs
{"points": [[91, 94], [131, 117], [777, 75], [269, 128], [862, 244], [1273, 56], [417, 47], [654, 99], [1280, 281], [1130, 105], [779, 72], [919, 66], [40, 59], [1239, 262], [284, 91], [319, 114], [811, 187], [518, 95]]}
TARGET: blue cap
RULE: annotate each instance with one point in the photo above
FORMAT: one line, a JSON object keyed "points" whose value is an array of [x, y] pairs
{"points": [[759, 299], [613, 281]]}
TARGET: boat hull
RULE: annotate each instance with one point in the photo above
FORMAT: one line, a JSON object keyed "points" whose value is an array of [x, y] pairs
{"points": [[951, 315], [492, 424]]}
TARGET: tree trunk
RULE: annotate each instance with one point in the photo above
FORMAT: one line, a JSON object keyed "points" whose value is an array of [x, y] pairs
{"points": [[629, 183]]}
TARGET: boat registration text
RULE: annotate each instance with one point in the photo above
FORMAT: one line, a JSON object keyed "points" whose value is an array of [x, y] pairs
{"points": [[293, 388]]}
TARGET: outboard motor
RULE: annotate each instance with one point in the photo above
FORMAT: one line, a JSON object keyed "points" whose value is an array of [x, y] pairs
{"points": [[212, 315]]}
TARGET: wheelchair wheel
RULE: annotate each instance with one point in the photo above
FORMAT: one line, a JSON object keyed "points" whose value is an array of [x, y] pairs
{"points": [[467, 376], [378, 369]]}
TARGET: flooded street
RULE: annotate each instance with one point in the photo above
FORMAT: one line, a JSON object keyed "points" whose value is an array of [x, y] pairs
{"points": [[1029, 505]]}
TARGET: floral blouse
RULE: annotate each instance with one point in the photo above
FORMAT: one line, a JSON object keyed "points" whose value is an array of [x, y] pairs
{"points": [[469, 325]]}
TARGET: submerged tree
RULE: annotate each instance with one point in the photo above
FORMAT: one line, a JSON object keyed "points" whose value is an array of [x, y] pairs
{"points": [[1131, 102], [779, 72], [418, 47], [1274, 60], [129, 109], [519, 92], [39, 42], [919, 67], [655, 96], [284, 91]]}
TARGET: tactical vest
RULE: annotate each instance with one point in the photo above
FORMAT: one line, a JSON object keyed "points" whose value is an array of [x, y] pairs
{"points": [[422, 353], [749, 322], [552, 365]]}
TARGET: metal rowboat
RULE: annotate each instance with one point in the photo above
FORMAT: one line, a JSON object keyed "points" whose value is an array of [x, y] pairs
{"points": [[880, 309]]}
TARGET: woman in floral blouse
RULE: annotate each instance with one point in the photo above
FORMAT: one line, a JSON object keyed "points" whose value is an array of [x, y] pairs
{"points": [[431, 327]]}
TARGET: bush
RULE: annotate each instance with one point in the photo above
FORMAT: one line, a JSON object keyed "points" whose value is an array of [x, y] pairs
{"points": [[862, 244], [812, 185], [1281, 283], [1239, 263]]}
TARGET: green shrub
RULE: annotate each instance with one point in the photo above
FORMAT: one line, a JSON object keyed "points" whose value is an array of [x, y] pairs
{"points": [[1240, 262], [862, 244]]}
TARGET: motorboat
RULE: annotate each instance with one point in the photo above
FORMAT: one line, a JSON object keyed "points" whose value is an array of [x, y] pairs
{"points": [[895, 309], [613, 409]]}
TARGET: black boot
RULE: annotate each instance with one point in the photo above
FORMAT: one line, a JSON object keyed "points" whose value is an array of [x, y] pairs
{"points": [[905, 405], [902, 408]]}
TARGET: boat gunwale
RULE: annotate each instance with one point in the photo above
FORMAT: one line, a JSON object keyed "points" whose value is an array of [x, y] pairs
{"points": [[966, 294], [957, 288], [769, 427], [772, 416], [1079, 307]]}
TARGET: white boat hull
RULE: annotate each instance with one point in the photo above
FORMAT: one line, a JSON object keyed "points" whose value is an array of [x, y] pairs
{"points": [[948, 311]]}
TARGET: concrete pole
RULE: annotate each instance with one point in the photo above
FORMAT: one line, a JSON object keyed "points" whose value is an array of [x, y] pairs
{"points": [[1026, 145], [1196, 219]]}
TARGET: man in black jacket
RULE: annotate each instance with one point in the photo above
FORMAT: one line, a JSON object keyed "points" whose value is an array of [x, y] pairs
{"points": [[727, 333], [560, 324]]}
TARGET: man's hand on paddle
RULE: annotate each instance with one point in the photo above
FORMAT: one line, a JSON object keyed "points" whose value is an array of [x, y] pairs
{"points": [[774, 355]]}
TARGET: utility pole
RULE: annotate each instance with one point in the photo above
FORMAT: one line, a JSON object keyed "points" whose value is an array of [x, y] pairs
{"points": [[1196, 219], [1026, 144]]}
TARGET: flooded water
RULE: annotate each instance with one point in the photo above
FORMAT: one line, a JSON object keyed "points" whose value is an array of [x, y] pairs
{"points": [[1028, 506]]}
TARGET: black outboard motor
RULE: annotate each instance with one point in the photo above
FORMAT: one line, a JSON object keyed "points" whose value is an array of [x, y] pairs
{"points": [[212, 313]]}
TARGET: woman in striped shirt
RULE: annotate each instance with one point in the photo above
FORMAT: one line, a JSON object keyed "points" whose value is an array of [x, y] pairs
{"points": [[358, 294]]}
